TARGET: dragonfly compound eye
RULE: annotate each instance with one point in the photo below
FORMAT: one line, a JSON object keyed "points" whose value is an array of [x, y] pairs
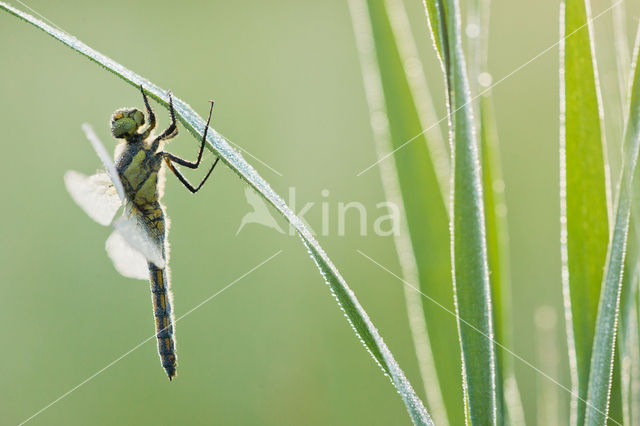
{"points": [[125, 122]]}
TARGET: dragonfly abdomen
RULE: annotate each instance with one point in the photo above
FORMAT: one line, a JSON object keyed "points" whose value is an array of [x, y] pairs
{"points": [[161, 297]]}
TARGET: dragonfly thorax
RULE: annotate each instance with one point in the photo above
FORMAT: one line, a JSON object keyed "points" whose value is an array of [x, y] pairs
{"points": [[138, 168]]}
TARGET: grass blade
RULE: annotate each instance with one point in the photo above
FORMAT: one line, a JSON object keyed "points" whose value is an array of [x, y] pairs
{"points": [[628, 338], [602, 357], [615, 400], [411, 180], [469, 250], [436, 19], [356, 315], [623, 62], [509, 408], [585, 229]]}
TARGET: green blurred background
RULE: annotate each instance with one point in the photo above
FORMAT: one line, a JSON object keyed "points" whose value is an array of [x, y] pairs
{"points": [[274, 348]]}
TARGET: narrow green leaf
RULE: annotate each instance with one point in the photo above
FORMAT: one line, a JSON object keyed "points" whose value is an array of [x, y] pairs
{"points": [[411, 180], [437, 25], [627, 357], [602, 356], [495, 245], [623, 61], [355, 314], [619, 406], [616, 105], [628, 338], [469, 250], [509, 408], [627, 332], [585, 229], [615, 400]]}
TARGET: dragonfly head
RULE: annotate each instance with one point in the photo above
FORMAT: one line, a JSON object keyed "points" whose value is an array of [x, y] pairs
{"points": [[125, 122]]}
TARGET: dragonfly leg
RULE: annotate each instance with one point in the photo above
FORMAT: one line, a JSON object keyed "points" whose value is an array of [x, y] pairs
{"points": [[170, 159], [152, 116], [184, 180], [193, 164], [172, 130]]}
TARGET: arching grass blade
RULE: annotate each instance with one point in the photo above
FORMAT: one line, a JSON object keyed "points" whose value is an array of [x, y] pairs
{"points": [[356, 315]]}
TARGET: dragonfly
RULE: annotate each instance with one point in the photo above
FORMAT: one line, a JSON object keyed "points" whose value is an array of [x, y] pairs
{"points": [[134, 182]]}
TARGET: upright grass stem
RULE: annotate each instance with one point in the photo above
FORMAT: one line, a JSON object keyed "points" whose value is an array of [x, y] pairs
{"points": [[584, 210], [468, 236], [509, 408], [414, 178]]}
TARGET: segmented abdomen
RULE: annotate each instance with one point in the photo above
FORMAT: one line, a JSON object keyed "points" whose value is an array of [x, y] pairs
{"points": [[161, 297]]}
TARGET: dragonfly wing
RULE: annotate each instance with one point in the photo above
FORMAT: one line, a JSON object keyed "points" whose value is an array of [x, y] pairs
{"points": [[137, 234], [127, 261], [95, 194], [109, 167]]}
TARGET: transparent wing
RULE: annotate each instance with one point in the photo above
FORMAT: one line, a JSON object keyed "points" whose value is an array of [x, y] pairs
{"points": [[127, 261], [95, 194], [109, 167], [137, 234]]}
